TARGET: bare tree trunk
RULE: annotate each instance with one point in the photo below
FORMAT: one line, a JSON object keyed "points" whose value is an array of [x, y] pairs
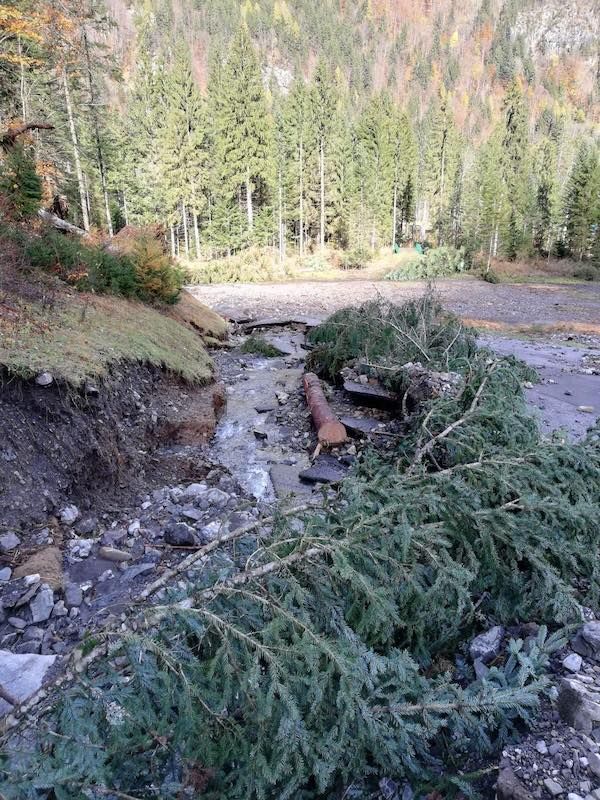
{"points": [[186, 239], [196, 233], [301, 198], [395, 214], [22, 81], [172, 229], [322, 172], [75, 143], [249, 209], [281, 231], [99, 154]]}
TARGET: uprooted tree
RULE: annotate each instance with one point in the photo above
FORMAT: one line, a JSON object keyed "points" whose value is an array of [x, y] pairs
{"points": [[326, 652]]}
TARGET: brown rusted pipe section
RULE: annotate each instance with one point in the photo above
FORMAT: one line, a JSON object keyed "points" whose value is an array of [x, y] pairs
{"points": [[329, 429]]}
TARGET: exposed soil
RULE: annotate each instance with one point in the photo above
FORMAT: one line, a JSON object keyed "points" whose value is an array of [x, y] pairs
{"points": [[96, 447]]}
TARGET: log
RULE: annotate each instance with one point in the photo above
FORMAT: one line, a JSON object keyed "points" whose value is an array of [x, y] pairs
{"points": [[60, 224], [330, 430]]}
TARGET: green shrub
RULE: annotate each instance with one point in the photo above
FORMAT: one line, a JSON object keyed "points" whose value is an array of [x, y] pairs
{"points": [[145, 272], [258, 345], [355, 259], [437, 263], [490, 276], [20, 183], [249, 266], [587, 272]]}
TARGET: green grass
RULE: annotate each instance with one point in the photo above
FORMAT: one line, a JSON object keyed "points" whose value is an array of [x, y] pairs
{"points": [[258, 346], [83, 335]]}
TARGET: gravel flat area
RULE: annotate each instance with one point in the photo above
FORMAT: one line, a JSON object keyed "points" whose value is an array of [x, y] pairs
{"points": [[510, 304]]}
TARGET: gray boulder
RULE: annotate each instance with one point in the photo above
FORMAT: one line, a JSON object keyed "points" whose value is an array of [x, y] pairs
{"points": [[42, 604], [578, 704], [8, 542], [179, 534], [487, 645], [21, 675], [586, 641]]}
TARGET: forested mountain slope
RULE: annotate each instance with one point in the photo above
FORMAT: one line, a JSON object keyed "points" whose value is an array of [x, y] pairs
{"points": [[304, 124]]}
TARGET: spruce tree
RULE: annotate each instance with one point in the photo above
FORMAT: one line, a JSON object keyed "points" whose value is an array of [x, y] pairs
{"points": [[516, 169], [183, 148], [243, 128], [441, 157], [323, 108], [582, 203]]}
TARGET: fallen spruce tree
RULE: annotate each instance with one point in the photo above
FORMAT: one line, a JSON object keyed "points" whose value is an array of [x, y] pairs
{"points": [[326, 656]]}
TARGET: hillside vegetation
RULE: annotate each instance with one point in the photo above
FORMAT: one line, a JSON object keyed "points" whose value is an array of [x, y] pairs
{"points": [[296, 127]]}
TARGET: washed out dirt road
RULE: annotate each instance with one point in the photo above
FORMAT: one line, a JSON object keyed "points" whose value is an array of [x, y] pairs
{"points": [[513, 305]]}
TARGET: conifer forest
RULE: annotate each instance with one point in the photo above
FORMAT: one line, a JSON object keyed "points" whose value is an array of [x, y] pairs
{"points": [[294, 126], [299, 400]]}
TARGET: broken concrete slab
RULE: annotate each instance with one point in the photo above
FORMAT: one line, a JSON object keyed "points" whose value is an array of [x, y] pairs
{"points": [[326, 469], [371, 394], [21, 675]]}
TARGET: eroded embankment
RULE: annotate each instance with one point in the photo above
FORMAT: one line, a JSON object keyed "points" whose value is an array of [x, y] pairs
{"points": [[93, 446]]}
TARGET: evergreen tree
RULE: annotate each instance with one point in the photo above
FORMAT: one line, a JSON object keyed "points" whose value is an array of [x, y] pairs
{"points": [[323, 108], [582, 204], [546, 196], [441, 159], [183, 149], [243, 128], [516, 168]]}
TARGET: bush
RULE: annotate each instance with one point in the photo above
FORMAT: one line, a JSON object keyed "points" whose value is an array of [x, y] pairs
{"points": [[355, 259], [250, 266], [20, 183], [258, 346], [437, 263], [145, 272], [490, 276], [587, 272]]}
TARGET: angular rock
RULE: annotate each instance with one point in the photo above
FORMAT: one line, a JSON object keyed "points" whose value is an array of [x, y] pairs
{"points": [[553, 787], [179, 534], [42, 604], [587, 640], [69, 515], [112, 554], [8, 542], [361, 425], [578, 704], [138, 569], [17, 623], [487, 645], [193, 491], [217, 498], [509, 787], [193, 513], [5, 574], [573, 662], [371, 394], [325, 469], [31, 646], [86, 526], [594, 764], [134, 527], [59, 609], [22, 675], [73, 595]]}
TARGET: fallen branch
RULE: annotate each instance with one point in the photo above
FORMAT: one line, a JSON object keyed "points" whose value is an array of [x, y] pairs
{"points": [[9, 137], [213, 545]]}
